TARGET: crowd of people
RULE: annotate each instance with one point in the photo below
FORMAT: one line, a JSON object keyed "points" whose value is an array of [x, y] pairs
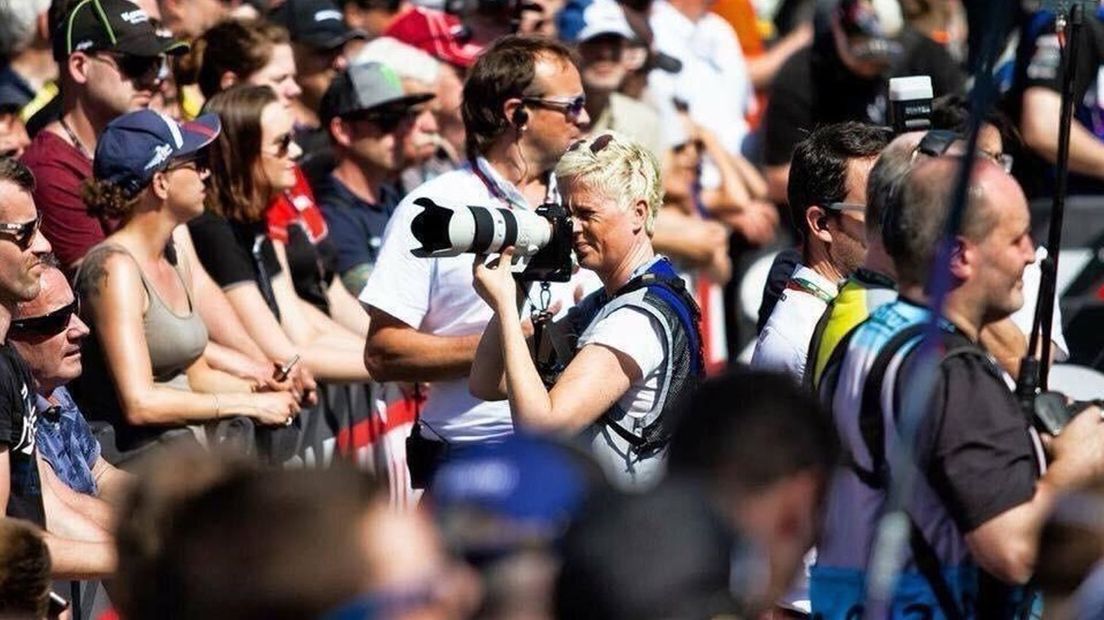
{"points": [[408, 309]]}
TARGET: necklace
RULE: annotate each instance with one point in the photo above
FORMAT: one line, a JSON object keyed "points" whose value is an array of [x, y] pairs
{"points": [[73, 136]]}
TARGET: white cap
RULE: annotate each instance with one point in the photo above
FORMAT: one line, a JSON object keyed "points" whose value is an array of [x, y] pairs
{"points": [[604, 17]]}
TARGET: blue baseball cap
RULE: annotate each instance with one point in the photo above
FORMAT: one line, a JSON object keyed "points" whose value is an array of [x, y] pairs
{"points": [[137, 145], [493, 497]]}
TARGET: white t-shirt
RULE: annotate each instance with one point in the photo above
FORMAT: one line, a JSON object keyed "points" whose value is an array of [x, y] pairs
{"points": [[783, 343], [1025, 316], [436, 296], [714, 79], [637, 334]]}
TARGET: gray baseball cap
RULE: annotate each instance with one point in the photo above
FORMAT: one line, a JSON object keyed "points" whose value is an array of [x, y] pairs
{"points": [[366, 87]]}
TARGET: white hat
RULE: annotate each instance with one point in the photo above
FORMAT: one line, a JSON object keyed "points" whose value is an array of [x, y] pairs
{"points": [[604, 17]]}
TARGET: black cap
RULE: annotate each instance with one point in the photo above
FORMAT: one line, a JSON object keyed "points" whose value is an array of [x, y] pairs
{"points": [[114, 25], [317, 23]]}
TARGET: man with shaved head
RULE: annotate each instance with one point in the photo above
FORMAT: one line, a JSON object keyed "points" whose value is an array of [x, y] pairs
{"points": [[979, 497]]}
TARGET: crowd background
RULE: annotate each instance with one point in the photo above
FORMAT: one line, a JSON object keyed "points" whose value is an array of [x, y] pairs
{"points": [[227, 384]]}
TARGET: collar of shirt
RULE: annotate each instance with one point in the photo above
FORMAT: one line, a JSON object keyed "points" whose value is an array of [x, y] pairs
{"points": [[505, 191], [337, 193], [815, 284]]}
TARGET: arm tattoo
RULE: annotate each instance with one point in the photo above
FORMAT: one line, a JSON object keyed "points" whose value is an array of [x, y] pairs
{"points": [[355, 278], [92, 277]]}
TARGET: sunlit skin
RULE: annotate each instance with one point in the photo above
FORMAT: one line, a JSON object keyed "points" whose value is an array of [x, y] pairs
{"points": [[279, 75], [56, 359], [20, 270], [276, 170]]}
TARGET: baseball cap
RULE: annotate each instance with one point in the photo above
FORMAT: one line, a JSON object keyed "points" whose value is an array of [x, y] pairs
{"points": [[441, 35], [137, 145], [604, 17], [364, 87], [861, 21], [317, 23], [494, 497], [113, 25]]}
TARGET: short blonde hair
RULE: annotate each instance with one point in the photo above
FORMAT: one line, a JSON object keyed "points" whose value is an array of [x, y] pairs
{"points": [[619, 168]]}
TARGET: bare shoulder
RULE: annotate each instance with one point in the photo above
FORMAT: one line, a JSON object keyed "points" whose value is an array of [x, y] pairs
{"points": [[105, 265]]}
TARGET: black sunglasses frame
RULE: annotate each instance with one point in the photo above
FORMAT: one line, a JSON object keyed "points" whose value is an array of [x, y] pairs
{"points": [[22, 235], [50, 324]]}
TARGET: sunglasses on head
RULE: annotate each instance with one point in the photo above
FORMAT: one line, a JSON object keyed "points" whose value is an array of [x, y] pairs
{"points": [[46, 325], [596, 146], [23, 234]]}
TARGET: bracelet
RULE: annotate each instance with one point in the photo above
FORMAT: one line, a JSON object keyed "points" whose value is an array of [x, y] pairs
{"points": [[218, 408]]}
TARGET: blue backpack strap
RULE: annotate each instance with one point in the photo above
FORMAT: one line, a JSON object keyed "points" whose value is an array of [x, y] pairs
{"points": [[662, 281]]}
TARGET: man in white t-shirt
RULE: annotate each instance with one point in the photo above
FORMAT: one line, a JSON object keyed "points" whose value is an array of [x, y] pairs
{"points": [[827, 195], [523, 105]]}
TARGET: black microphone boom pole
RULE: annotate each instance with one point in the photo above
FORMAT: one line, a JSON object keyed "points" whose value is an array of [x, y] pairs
{"points": [[1034, 369]]}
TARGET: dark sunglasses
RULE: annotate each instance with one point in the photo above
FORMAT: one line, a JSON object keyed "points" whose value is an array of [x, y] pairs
{"points": [[22, 235], [143, 69], [386, 120], [195, 162], [572, 107], [46, 325], [283, 145]]}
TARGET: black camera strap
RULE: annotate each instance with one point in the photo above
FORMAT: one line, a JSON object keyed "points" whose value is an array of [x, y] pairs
{"points": [[540, 316]]}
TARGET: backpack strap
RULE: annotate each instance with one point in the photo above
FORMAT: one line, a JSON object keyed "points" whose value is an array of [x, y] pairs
{"points": [[670, 288], [871, 419], [927, 562], [872, 428], [809, 376]]}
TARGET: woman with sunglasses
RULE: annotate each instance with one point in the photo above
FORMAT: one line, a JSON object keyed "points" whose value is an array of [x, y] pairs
{"points": [[259, 53], [146, 372], [637, 340], [251, 162]]}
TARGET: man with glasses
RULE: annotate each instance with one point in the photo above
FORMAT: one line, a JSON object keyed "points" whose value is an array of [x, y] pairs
{"points": [[523, 106], [367, 113], [47, 333], [22, 251], [111, 60], [827, 197]]}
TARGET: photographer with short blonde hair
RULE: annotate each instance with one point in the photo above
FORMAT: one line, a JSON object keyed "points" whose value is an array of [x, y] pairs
{"points": [[636, 341]]}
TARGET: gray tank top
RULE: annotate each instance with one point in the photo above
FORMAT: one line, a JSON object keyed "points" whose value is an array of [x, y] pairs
{"points": [[174, 341]]}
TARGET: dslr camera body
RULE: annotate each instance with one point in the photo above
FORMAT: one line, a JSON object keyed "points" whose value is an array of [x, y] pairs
{"points": [[1051, 411], [541, 238]]}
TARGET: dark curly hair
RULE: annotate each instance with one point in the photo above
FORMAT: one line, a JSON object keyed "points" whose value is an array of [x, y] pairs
{"points": [[103, 199]]}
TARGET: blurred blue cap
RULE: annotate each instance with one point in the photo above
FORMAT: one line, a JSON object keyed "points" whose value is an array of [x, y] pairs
{"points": [[529, 488]]}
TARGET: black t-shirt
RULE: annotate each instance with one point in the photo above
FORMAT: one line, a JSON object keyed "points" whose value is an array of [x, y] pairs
{"points": [[235, 253], [814, 88], [1038, 60], [976, 445], [311, 266], [17, 434]]}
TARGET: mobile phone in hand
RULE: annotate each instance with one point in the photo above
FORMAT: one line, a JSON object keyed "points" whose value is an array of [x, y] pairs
{"points": [[283, 371]]}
